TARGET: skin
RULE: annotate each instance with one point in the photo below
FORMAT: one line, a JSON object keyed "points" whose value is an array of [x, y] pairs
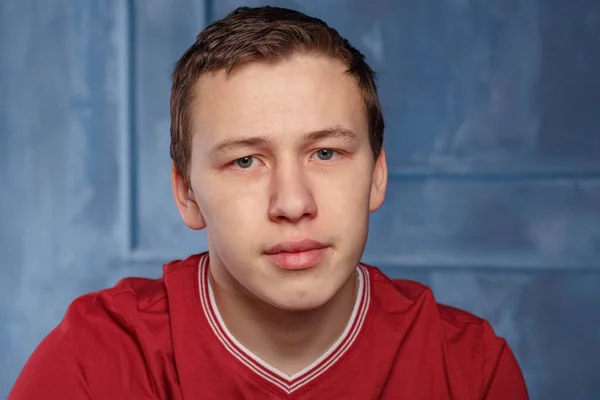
{"points": [[284, 187]]}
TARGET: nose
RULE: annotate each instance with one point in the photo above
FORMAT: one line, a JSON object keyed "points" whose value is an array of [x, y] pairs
{"points": [[291, 196]]}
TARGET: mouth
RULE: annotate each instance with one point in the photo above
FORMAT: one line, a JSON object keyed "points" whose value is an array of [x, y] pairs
{"points": [[297, 255]]}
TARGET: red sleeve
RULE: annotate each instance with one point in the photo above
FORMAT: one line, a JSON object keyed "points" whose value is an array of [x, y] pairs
{"points": [[502, 375], [87, 356], [52, 372]]}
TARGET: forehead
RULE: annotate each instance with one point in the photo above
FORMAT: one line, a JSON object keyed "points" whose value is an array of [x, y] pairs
{"points": [[280, 100]]}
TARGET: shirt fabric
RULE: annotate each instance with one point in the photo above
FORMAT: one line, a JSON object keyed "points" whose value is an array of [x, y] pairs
{"points": [[165, 339]]}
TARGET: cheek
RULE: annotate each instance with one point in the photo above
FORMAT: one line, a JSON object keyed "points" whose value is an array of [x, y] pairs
{"points": [[231, 209], [351, 181], [345, 197]]}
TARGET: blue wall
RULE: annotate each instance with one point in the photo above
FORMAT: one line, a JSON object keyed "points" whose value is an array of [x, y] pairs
{"points": [[493, 139]]}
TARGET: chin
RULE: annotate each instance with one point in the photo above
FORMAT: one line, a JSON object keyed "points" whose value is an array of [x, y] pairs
{"points": [[301, 299], [298, 306], [302, 290]]}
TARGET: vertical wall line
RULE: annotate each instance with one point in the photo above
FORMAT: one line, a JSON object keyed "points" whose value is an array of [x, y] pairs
{"points": [[124, 114], [132, 128], [208, 12]]}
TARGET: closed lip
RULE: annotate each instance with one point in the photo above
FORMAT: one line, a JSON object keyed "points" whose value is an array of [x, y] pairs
{"points": [[295, 246]]}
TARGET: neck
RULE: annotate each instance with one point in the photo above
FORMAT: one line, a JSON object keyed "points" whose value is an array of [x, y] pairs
{"points": [[286, 340]]}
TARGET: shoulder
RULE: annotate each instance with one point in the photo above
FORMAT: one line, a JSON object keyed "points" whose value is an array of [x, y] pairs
{"points": [[134, 309], [110, 342], [96, 345], [110, 317], [132, 301], [402, 294], [134, 306], [462, 340], [117, 306]]}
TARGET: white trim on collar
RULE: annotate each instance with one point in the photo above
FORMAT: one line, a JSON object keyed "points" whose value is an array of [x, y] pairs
{"points": [[285, 382]]}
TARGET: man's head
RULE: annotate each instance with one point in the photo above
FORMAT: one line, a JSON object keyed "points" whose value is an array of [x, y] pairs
{"points": [[276, 136]]}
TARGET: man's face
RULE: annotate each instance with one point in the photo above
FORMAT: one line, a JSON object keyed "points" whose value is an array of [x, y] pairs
{"points": [[280, 153]]}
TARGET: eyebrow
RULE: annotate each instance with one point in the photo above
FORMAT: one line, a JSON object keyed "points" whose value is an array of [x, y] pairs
{"points": [[328, 133]]}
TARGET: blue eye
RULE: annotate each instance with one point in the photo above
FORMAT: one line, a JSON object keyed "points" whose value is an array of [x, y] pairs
{"points": [[244, 162], [325, 154]]}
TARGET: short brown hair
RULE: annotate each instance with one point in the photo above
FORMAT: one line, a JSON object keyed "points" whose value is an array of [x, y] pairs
{"points": [[263, 33]]}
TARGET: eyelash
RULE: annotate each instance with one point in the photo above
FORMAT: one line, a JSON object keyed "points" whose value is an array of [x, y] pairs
{"points": [[336, 153]]}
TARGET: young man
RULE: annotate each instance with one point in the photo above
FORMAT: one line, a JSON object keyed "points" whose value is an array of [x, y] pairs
{"points": [[276, 140]]}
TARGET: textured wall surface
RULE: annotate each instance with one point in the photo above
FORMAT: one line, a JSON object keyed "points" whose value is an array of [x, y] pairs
{"points": [[493, 140]]}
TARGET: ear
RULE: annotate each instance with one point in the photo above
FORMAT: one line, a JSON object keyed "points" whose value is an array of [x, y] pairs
{"points": [[185, 202], [379, 184]]}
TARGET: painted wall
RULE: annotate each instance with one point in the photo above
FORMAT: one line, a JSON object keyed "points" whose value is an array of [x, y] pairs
{"points": [[493, 139]]}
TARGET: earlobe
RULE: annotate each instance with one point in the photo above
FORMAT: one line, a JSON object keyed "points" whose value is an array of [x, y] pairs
{"points": [[184, 200], [379, 183]]}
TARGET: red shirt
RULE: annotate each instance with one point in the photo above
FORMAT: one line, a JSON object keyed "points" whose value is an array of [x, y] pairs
{"points": [[164, 339]]}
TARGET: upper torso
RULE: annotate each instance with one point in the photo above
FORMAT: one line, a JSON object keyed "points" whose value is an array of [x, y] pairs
{"points": [[164, 339]]}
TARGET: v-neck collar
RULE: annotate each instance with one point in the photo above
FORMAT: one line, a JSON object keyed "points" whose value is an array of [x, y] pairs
{"points": [[262, 370]]}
